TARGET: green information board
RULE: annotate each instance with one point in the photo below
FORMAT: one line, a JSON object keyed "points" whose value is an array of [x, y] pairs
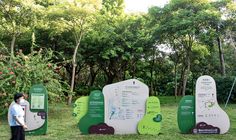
{"points": [[80, 108], [37, 111], [151, 122], [186, 114], [37, 101], [95, 114]]}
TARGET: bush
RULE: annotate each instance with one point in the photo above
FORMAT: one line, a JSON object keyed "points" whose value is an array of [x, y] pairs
{"points": [[223, 86], [21, 72]]}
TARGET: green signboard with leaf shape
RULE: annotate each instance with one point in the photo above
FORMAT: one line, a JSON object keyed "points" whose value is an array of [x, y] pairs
{"points": [[95, 113], [151, 122], [80, 108]]}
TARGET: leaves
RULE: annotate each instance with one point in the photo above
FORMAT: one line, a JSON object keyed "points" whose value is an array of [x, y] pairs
{"points": [[30, 69]]}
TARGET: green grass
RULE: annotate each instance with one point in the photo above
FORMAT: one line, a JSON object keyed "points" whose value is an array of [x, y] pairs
{"points": [[62, 126]]}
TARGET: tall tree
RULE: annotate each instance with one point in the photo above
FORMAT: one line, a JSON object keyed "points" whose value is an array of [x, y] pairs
{"points": [[74, 16], [17, 17], [179, 23]]}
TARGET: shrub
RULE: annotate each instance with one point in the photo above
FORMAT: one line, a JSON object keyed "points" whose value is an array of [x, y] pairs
{"points": [[223, 86], [21, 72]]}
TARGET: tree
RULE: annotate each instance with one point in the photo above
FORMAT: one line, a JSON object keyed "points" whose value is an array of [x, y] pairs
{"points": [[17, 16], [73, 16], [178, 25]]}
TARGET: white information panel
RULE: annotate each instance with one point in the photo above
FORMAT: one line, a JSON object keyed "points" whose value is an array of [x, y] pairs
{"points": [[125, 105], [32, 119], [207, 108], [37, 101]]}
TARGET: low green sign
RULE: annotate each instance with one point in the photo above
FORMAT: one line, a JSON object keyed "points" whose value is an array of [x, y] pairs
{"points": [[186, 114], [95, 114], [80, 108], [151, 122]]}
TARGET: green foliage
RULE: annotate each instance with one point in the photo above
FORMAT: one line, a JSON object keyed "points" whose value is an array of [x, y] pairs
{"points": [[19, 74], [114, 45], [223, 85]]}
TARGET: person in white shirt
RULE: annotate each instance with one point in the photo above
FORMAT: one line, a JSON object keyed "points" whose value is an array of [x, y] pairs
{"points": [[16, 121]]}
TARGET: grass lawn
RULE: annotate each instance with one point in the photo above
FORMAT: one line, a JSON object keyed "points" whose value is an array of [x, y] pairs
{"points": [[62, 126]]}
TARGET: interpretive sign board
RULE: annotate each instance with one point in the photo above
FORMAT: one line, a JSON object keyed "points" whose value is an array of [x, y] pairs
{"points": [[186, 114], [29, 116], [95, 113], [37, 114], [210, 118], [125, 105], [80, 108], [36, 110], [151, 122]]}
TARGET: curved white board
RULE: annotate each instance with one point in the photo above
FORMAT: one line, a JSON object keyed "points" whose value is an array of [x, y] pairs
{"points": [[207, 107], [32, 119], [125, 105]]}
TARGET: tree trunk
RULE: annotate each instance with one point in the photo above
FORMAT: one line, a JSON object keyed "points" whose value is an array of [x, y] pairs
{"points": [[93, 75], [72, 83], [176, 84], [74, 63], [180, 85], [110, 78], [185, 78], [151, 71], [13, 41], [120, 74], [221, 55], [232, 42], [32, 41]]}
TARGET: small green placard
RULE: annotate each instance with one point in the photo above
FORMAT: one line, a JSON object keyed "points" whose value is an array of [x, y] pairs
{"points": [[95, 114], [151, 122], [186, 114], [80, 108]]}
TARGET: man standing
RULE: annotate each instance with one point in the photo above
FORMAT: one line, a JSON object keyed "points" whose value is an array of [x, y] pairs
{"points": [[16, 121]]}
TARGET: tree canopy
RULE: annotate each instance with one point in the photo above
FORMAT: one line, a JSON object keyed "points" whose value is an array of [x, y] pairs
{"points": [[94, 43]]}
